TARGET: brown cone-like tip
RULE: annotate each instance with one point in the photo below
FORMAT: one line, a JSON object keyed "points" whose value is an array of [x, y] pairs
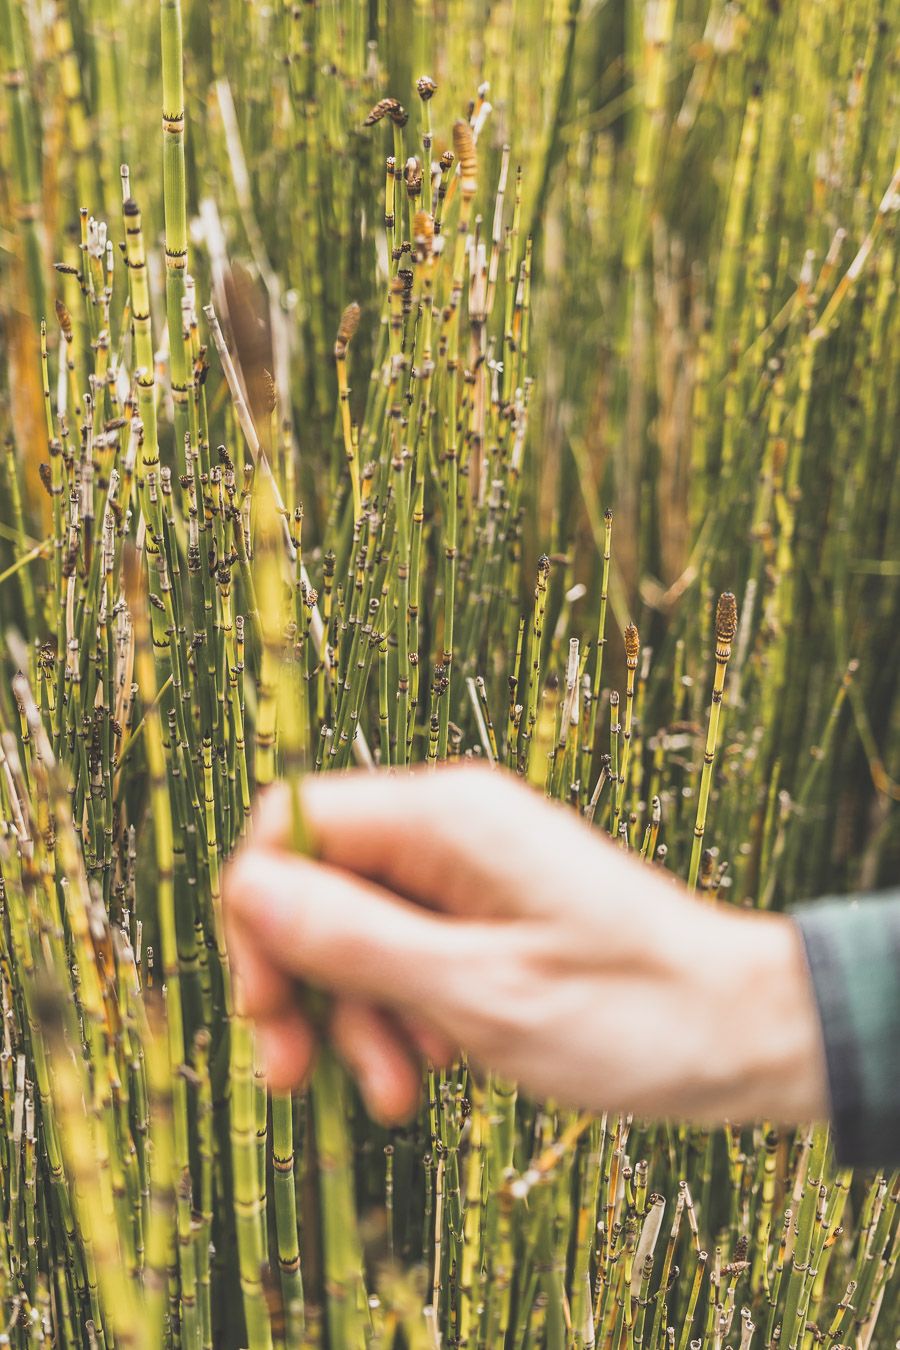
{"points": [[464, 145], [64, 319], [426, 87], [347, 327], [423, 231], [632, 644], [412, 173], [726, 617], [271, 390], [386, 107]]}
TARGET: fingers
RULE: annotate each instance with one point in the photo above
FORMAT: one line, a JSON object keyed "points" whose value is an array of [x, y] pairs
{"points": [[385, 1060], [291, 920], [261, 989], [287, 1047], [311, 922], [357, 819], [425, 835], [383, 1063], [432, 1045]]}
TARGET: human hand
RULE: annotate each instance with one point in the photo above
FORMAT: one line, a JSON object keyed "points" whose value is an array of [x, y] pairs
{"points": [[460, 908]]}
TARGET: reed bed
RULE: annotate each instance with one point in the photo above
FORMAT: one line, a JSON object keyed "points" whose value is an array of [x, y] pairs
{"points": [[308, 443]]}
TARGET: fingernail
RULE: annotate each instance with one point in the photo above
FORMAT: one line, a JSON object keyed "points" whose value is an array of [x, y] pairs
{"points": [[263, 1050]]}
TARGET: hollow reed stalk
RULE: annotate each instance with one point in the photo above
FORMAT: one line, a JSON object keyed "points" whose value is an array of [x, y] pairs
{"points": [[174, 200], [171, 966], [248, 1218], [632, 649], [708, 335], [726, 627]]}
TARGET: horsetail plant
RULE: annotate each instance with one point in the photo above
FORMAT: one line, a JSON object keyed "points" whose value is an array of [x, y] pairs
{"points": [[252, 567], [726, 627]]}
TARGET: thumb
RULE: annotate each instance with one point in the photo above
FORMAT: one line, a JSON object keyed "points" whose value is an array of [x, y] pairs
{"points": [[429, 835]]}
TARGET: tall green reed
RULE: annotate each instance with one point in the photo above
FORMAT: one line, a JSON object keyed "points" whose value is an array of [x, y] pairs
{"points": [[269, 552]]}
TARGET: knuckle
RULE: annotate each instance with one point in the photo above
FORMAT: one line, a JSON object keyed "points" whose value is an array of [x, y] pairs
{"points": [[239, 879], [269, 812], [343, 949], [495, 986]]}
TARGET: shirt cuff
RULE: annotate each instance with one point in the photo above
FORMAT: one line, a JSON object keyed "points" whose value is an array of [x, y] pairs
{"points": [[853, 952]]}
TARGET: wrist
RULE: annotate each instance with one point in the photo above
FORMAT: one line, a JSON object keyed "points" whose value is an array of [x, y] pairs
{"points": [[778, 1069]]}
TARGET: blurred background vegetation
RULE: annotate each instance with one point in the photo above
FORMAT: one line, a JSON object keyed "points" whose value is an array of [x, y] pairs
{"points": [[703, 337], [698, 178]]}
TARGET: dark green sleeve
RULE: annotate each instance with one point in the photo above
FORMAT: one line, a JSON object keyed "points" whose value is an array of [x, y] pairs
{"points": [[853, 949]]}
